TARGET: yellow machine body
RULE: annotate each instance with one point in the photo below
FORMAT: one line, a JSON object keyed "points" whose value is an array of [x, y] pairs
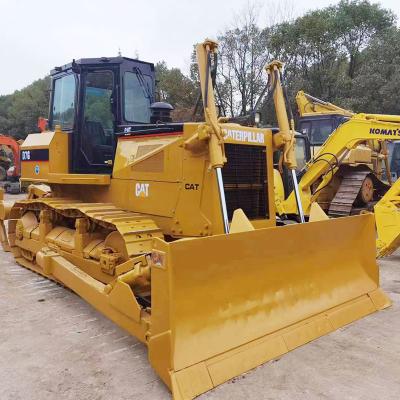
{"points": [[146, 246], [147, 169]]}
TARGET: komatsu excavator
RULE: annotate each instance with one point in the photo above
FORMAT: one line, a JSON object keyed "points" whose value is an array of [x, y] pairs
{"points": [[322, 181], [355, 176], [169, 229], [317, 119]]}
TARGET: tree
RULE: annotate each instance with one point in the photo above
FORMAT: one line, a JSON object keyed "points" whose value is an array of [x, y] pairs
{"points": [[357, 22], [242, 57], [377, 84], [324, 48], [20, 111], [177, 89]]}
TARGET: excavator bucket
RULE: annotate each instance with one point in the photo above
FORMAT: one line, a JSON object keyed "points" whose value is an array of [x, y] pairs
{"points": [[239, 300]]}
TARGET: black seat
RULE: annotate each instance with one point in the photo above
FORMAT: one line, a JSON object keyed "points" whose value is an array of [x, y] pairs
{"points": [[94, 143]]}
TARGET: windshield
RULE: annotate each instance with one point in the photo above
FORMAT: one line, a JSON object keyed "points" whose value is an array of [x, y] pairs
{"points": [[394, 159], [136, 97], [317, 131], [63, 112]]}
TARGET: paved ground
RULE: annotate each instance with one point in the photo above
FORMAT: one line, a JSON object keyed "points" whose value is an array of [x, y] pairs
{"points": [[54, 346]]}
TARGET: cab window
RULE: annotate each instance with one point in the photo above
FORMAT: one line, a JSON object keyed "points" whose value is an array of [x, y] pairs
{"points": [[63, 112], [394, 159], [98, 126], [98, 95], [137, 97], [320, 131]]}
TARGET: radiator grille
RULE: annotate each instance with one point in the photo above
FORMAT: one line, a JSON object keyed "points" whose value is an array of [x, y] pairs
{"points": [[245, 180]]}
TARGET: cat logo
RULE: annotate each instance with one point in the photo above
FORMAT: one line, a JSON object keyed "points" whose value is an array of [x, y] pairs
{"points": [[142, 189]]}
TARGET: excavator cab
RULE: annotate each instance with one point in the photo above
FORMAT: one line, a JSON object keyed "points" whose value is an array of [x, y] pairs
{"points": [[318, 128], [94, 98], [394, 160], [317, 119]]}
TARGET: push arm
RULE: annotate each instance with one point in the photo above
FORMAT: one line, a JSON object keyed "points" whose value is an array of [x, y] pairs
{"points": [[284, 139]]}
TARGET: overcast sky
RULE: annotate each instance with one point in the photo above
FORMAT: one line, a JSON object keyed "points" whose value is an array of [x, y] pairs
{"points": [[36, 35]]}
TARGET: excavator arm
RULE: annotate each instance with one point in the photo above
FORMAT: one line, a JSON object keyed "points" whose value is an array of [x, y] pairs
{"points": [[308, 105], [14, 146]]}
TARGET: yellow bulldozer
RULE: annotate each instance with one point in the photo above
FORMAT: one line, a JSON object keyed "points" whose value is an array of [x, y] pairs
{"points": [[169, 229]]}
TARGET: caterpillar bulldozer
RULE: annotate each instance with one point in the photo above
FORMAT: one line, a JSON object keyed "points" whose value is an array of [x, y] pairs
{"points": [[169, 229]]}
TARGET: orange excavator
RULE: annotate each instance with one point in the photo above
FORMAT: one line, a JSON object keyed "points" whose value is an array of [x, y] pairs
{"points": [[10, 167]]}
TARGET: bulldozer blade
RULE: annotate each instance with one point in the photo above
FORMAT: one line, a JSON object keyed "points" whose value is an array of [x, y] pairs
{"points": [[239, 300]]}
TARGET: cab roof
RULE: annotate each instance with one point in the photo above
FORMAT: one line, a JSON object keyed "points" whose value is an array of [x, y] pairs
{"points": [[101, 61]]}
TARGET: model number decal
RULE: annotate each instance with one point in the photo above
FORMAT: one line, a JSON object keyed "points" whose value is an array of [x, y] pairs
{"points": [[192, 186], [142, 189], [35, 155], [25, 155]]}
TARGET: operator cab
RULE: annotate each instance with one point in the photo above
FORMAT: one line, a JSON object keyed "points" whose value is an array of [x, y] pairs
{"points": [[394, 160], [318, 128], [94, 98]]}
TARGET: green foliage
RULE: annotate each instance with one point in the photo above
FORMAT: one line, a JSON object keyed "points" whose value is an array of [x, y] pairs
{"points": [[174, 87], [377, 84], [20, 111], [329, 52], [177, 89], [347, 53]]}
